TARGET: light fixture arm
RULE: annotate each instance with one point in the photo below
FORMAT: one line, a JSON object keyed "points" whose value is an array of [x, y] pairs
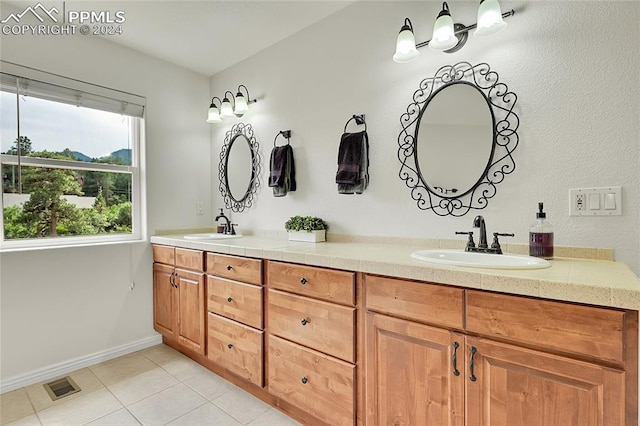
{"points": [[249, 100], [213, 104], [232, 97], [462, 30]]}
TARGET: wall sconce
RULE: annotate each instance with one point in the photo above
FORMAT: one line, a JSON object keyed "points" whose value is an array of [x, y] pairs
{"points": [[238, 105], [448, 36]]}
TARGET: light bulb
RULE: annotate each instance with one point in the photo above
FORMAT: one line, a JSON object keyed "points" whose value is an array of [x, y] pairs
{"points": [[489, 18]]}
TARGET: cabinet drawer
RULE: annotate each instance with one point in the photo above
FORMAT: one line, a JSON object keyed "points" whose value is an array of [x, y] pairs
{"points": [[164, 254], [583, 330], [427, 303], [235, 267], [236, 347], [323, 326], [325, 284], [235, 300], [190, 259], [316, 383]]}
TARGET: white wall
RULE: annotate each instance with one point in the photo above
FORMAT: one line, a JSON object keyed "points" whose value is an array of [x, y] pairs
{"points": [[61, 304], [573, 66]]}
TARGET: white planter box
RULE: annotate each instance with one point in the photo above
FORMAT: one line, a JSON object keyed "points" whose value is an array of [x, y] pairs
{"points": [[310, 237]]}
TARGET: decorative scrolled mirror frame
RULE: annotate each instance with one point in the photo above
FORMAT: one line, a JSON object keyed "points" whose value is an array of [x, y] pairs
{"points": [[505, 139], [238, 132]]}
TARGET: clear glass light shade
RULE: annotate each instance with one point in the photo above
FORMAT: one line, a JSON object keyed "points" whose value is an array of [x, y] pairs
{"points": [[226, 110], [241, 104], [214, 115], [405, 46], [443, 37], [489, 18]]}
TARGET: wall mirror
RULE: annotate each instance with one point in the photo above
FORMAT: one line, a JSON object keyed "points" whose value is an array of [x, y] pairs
{"points": [[239, 168], [457, 137]]}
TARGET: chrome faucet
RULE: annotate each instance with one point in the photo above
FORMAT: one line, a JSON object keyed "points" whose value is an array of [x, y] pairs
{"points": [[228, 226], [478, 222]]}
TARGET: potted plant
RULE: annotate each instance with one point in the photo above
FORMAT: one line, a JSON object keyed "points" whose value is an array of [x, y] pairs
{"points": [[306, 228]]}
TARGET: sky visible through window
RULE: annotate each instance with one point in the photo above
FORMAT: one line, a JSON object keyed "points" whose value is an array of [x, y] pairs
{"points": [[54, 127]]}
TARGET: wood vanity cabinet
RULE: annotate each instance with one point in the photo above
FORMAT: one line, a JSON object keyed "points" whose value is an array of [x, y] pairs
{"points": [[311, 343], [482, 358], [235, 336], [178, 296]]}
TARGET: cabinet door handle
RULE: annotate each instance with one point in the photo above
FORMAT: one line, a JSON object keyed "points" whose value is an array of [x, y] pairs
{"points": [[229, 299], [304, 321], [230, 345], [473, 351], [229, 267], [454, 361], [172, 280], [303, 281], [304, 380]]}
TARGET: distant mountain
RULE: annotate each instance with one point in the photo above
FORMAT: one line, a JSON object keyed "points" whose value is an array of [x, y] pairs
{"points": [[123, 154], [81, 157]]}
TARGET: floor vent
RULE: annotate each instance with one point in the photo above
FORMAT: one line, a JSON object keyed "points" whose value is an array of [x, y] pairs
{"points": [[61, 388]]}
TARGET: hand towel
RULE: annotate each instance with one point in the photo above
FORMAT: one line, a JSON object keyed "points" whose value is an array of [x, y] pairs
{"points": [[352, 145], [282, 176]]}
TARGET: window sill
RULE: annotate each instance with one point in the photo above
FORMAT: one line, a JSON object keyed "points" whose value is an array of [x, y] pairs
{"points": [[18, 246]]}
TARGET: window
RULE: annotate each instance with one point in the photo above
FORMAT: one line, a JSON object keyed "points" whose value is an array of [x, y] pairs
{"points": [[70, 161]]}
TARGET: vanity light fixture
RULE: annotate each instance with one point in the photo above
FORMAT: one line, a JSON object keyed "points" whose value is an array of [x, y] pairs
{"points": [[230, 105], [449, 36]]}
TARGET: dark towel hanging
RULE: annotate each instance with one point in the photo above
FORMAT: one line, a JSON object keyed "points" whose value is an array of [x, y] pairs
{"points": [[352, 176], [282, 171]]}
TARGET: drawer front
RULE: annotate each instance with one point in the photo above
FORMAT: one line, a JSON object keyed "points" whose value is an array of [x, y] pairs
{"points": [[190, 259], [325, 284], [321, 385], [323, 326], [583, 330], [164, 254], [235, 268], [236, 347], [235, 300], [428, 303]]}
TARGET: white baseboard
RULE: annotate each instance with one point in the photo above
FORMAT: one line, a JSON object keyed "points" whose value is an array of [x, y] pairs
{"points": [[56, 370]]}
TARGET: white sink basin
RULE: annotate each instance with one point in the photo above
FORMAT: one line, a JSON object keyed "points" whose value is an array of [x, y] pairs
{"points": [[480, 260], [210, 236]]}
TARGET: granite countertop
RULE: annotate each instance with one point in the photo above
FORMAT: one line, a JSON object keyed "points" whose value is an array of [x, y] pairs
{"points": [[596, 282]]}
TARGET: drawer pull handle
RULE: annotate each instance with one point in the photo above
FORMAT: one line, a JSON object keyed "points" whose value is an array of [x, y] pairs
{"points": [[229, 267], [303, 281], [304, 380], [230, 345], [229, 299], [454, 361], [304, 321], [472, 377]]}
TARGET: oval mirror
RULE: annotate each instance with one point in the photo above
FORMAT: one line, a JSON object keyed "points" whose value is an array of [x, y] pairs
{"points": [[239, 168], [457, 139], [454, 139]]}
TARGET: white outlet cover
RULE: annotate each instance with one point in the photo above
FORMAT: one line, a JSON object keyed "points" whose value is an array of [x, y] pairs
{"points": [[584, 194]]}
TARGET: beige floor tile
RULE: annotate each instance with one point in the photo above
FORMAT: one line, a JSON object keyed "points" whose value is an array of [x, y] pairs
{"points": [[274, 417], [85, 379], [118, 418], [207, 414], [209, 385], [81, 410], [31, 420], [161, 354], [14, 405], [184, 368], [241, 405], [119, 369], [166, 406], [145, 384]]}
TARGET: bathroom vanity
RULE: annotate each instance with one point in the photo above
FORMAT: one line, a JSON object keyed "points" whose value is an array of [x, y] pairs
{"points": [[345, 333]]}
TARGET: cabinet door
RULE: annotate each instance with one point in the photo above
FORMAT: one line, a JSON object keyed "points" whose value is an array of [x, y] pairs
{"points": [[412, 378], [522, 387], [191, 320], [164, 300]]}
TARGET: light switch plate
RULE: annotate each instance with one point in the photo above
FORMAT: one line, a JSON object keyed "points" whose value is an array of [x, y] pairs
{"points": [[595, 201]]}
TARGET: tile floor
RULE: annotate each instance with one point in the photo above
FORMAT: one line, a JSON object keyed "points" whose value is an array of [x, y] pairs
{"points": [[155, 386]]}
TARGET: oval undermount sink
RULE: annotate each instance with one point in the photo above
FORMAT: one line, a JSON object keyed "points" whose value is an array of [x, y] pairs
{"points": [[210, 236], [480, 260]]}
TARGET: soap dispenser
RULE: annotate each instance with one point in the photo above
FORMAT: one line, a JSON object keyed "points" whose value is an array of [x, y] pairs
{"points": [[541, 236]]}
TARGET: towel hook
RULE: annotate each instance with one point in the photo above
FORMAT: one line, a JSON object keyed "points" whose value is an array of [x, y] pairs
{"points": [[359, 121], [284, 133]]}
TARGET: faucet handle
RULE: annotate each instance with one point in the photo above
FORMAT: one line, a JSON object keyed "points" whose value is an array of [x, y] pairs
{"points": [[232, 230], [470, 243], [495, 245]]}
